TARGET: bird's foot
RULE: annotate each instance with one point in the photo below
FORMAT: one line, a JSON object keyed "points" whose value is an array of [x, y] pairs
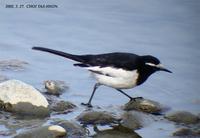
{"points": [[87, 104], [136, 98]]}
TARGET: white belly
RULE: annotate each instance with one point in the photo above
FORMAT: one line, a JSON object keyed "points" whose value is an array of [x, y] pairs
{"points": [[115, 78]]}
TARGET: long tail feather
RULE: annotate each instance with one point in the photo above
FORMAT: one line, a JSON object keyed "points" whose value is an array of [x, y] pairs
{"points": [[60, 53]]}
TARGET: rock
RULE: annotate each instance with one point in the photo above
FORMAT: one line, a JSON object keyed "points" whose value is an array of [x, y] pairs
{"points": [[183, 117], [53, 131], [21, 98], [61, 106], [97, 117], [3, 78], [144, 105], [55, 87], [116, 132], [73, 129], [12, 64], [186, 132], [132, 120]]}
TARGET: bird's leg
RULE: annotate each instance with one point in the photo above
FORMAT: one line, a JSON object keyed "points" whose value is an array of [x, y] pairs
{"points": [[125, 94], [88, 104], [131, 98]]}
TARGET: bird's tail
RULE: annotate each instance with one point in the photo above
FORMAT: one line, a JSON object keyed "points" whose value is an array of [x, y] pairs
{"points": [[60, 53]]}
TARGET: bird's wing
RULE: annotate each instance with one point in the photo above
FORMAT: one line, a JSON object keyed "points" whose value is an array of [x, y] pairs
{"points": [[126, 61]]}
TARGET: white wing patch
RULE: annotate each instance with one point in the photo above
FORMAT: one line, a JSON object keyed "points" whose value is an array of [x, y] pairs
{"points": [[116, 78], [110, 71]]}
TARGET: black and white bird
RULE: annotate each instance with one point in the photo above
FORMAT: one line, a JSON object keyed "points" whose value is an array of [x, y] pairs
{"points": [[117, 70]]}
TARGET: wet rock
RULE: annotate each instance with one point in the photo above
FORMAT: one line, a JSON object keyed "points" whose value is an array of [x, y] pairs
{"points": [[97, 117], [3, 78], [132, 120], [12, 64], [116, 132], [73, 129], [144, 105], [15, 122], [61, 106], [55, 87], [186, 132], [21, 98], [183, 117], [53, 131], [6, 133]]}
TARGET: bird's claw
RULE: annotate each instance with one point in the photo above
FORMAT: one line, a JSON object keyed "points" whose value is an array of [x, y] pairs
{"points": [[136, 98], [87, 104]]}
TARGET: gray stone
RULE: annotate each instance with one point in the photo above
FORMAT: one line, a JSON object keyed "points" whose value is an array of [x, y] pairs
{"points": [[74, 130], [132, 120], [116, 132], [97, 117], [182, 117], [21, 98], [55, 87], [186, 132], [144, 105], [53, 131], [61, 106]]}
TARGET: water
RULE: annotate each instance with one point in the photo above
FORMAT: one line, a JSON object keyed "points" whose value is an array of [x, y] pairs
{"points": [[168, 30]]}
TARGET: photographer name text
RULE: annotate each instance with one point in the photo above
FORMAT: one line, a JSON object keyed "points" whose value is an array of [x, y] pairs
{"points": [[31, 6]]}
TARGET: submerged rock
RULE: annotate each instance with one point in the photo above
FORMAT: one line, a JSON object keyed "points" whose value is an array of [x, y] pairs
{"points": [[3, 78], [12, 64], [21, 98], [15, 122], [144, 105], [73, 129], [55, 87], [183, 117], [61, 106], [97, 117], [116, 132], [53, 131], [132, 120], [186, 132]]}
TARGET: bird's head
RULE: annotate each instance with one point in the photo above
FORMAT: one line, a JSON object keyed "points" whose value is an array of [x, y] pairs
{"points": [[154, 64]]}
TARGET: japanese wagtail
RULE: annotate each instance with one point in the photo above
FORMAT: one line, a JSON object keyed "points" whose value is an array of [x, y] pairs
{"points": [[116, 70]]}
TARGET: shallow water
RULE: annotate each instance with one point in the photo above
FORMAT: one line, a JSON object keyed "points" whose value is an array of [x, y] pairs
{"points": [[168, 30]]}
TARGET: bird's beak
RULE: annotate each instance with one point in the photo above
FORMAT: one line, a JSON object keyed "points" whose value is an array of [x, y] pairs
{"points": [[162, 68]]}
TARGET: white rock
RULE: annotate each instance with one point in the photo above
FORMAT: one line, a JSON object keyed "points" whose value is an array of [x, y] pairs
{"points": [[18, 93], [57, 128]]}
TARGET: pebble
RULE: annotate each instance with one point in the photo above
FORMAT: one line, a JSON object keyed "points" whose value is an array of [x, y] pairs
{"points": [[132, 120], [55, 87], [61, 106], [97, 117], [74, 130], [186, 132], [183, 117], [144, 105], [116, 132]]}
